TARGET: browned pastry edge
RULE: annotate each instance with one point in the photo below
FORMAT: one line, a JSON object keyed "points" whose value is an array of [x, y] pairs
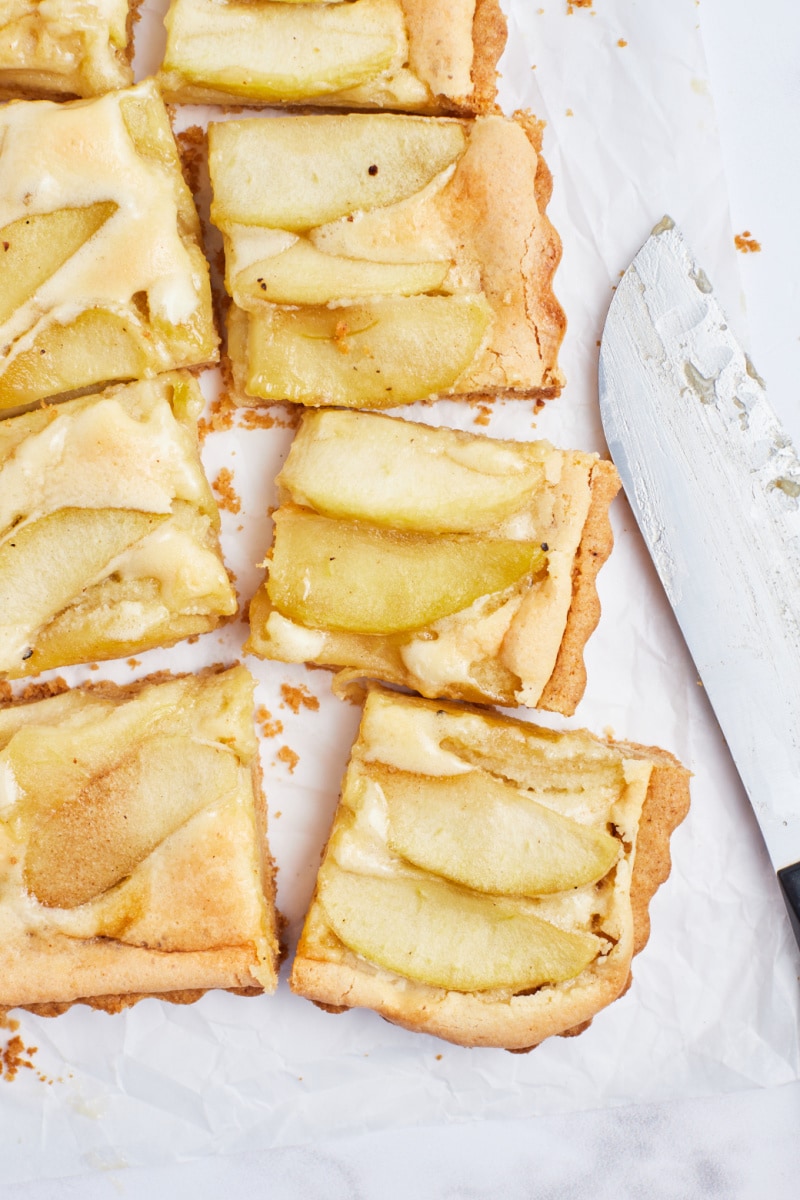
{"points": [[566, 685], [117, 1003], [665, 807]]}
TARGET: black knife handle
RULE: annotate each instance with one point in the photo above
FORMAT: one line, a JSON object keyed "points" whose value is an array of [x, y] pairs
{"points": [[789, 879]]}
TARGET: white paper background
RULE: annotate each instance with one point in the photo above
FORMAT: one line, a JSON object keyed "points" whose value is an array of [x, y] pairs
{"points": [[714, 1005]]}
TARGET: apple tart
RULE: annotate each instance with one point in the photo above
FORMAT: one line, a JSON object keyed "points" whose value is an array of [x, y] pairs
{"points": [[376, 259], [485, 880], [447, 562], [108, 528], [61, 49], [412, 55], [133, 851], [103, 277]]}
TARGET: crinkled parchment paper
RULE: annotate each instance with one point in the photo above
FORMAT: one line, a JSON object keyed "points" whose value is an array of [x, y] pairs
{"points": [[714, 1003]]}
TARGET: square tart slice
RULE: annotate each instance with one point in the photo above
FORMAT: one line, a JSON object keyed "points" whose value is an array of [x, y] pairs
{"points": [[109, 532], [103, 278], [376, 259], [133, 851], [412, 55], [485, 880], [447, 562], [62, 50]]}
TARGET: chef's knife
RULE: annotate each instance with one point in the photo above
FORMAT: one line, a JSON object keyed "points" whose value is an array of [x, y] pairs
{"points": [[714, 484]]}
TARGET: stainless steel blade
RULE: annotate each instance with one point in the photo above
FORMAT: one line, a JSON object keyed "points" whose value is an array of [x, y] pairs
{"points": [[714, 483]]}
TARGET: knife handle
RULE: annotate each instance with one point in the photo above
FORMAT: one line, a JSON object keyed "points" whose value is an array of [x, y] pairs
{"points": [[789, 879]]}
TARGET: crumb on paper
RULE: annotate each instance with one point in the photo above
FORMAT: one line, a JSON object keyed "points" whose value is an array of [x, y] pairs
{"points": [[94, 666], [573, 4], [438, 1057], [226, 494], [621, 42], [279, 813], [220, 418], [133, 663], [14, 1054], [276, 417], [270, 726], [746, 243], [483, 415], [570, 113], [296, 696], [290, 758]]}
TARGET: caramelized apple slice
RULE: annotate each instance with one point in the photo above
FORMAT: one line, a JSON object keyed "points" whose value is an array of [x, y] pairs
{"points": [[372, 355], [406, 475], [303, 275], [33, 248], [481, 832], [99, 346], [330, 574], [266, 53], [298, 172], [97, 836], [439, 934], [45, 564]]}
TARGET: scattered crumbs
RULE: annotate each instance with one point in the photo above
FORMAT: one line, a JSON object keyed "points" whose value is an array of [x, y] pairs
{"points": [[220, 418], [276, 417], [279, 813], [540, 12], [573, 4], [133, 663], [294, 697], [483, 415], [14, 1054], [190, 641], [94, 666], [570, 113], [270, 726], [225, 491], [622, 42], [438, 1058], [289, 758], [746, 243], [239, 528]]}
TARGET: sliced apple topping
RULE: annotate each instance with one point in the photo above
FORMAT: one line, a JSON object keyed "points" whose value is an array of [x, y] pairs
{"points": [[33, 248], [441, 935], [99, 835], [376, 354], [327, 166], [303, 275], [331, 574], [407, 476], [490, 836], [243, 50]]}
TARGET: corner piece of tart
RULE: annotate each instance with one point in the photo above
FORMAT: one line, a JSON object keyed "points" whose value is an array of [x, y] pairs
{"points": [[411, 55], [485, 880], [103, 276], [133, 845], [376, 259], [451, 563]]}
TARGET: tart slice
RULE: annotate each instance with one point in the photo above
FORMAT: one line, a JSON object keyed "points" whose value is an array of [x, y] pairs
{"points": [[61, 50], [133, 843], [447, 562], [108, 528], [398, 54], [485, 880], [103, 278], [376, 260]]}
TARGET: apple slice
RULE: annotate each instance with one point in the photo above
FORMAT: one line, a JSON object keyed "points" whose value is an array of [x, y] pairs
{"points": [[33, 248], [405, 475], [281, 52], [98, 347], [330, 574], [439, 934], [99, 835], [299, 172], [44, 565], [303, 275], [372, 355], [483, 833]]}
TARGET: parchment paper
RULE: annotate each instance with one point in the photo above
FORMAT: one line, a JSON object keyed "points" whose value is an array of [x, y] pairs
{"points": [[715, 1001]]}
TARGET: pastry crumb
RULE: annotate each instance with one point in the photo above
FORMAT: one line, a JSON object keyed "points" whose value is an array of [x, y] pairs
{"points": [[290, 758], [270, 726], [746, 243], [14, 1055], [299, 696], [227, 497]]}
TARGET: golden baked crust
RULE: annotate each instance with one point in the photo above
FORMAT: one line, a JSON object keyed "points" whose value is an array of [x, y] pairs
{"points": [[134, 858], [406, 55], [398, 259], [521, 641], [336, 977], [104, 278], [63, 53], [109, 532]]}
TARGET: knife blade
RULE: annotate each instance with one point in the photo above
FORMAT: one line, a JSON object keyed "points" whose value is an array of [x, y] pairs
{"points": [[714, 484]]}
